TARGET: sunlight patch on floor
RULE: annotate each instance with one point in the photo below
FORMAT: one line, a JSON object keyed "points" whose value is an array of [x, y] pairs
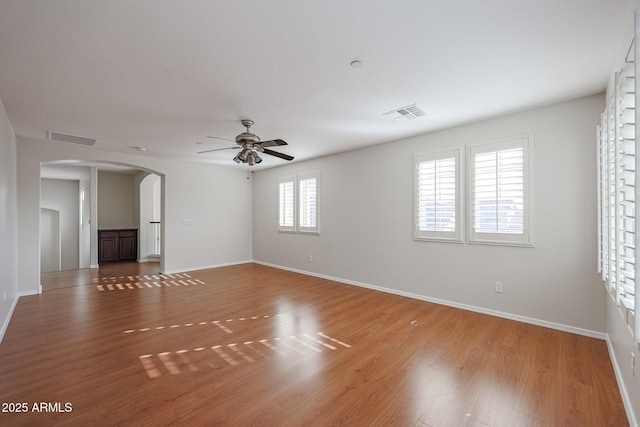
{"points": [[234, 354], [217, 323]]}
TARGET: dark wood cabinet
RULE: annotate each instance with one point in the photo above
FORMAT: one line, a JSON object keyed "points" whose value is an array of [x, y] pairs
{"points": [[117, 245]]}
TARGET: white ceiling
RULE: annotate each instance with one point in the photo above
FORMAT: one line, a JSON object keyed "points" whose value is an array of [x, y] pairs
{"points": [[164, 74]]}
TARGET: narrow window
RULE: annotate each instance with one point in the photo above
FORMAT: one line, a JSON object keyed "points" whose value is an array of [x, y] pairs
{"points": [[499, 197], [286, 196], [308, 203], [437, 196]]}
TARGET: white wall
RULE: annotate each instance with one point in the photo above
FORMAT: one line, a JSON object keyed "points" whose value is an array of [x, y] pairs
{"points": [[8, 221], [63, 196], [366, 222], [116, 201], [216, 200]]}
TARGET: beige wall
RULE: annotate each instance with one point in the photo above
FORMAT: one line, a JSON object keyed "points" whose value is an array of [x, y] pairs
{"points": [[116, 200]]}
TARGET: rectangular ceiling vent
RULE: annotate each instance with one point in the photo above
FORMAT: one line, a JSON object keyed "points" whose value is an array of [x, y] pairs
{"points": [[63, 137], [409, 112]]}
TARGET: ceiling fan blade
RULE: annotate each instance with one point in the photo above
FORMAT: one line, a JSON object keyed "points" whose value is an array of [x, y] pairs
{"points": [[275, 153], [218, 149], [224, 139], [272, 143]]}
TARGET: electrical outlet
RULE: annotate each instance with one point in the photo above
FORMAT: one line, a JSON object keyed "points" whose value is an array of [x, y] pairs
{"points": [[499, 287], [310, 258]]}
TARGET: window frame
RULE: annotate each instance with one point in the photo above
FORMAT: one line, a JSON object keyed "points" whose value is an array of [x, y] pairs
{"points": [[525, 239], [297, 228], [287, 228], [456, 236], [304, 229], [618, 165]]}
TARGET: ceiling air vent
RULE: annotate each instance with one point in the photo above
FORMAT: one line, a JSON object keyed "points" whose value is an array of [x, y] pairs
{"points": [[409, 112], [55, 136]]}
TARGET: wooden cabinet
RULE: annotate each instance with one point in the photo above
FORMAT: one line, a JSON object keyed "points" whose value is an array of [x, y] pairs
{"points": [[117, 245]]}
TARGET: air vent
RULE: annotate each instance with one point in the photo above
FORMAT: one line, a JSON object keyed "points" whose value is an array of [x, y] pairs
{"points": [[409, 112], [55, 136]]}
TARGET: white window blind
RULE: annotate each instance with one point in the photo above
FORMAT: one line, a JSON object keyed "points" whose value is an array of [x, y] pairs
{"points": [[286, 190], [500, 192], [308, 203], [437, 196], [626, 188], [611, 194], [298, 204], [617, 169], [603, 200]]}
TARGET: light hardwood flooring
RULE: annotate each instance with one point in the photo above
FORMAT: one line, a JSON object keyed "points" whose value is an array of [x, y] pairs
{"points": [[250, 345]]}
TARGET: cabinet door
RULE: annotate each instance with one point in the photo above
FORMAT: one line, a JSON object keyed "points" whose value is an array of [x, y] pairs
{"points": [[128, 245], [108, 246]]}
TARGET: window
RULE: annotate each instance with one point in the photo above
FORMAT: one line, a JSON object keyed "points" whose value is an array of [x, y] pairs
{"points": [[617, 202], [308, 203], [298, 204], [437, 210], [286, 196], [499, 196]]}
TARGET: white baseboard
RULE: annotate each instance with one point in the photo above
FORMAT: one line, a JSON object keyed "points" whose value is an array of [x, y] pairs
{"points": [[510, 316], [205, 267], [626, 399], [5, 322]]}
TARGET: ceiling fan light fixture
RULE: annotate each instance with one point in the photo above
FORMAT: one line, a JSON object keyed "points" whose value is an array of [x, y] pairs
{"points": [[242, 156], [257, 158], [251, 159], [237, 158]]}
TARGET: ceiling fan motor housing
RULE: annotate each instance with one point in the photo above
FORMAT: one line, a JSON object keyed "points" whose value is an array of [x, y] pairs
{"points": [[247, 138]]}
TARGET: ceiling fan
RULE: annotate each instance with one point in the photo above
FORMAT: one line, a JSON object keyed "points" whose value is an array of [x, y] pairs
{"points": [[251, 145]]}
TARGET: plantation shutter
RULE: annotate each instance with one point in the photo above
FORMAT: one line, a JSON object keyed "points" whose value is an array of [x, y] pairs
{"points": [[612, 160], [287, 205], [499, 192], [437, 206], [617, 178], [626, 185], [308, 203]]}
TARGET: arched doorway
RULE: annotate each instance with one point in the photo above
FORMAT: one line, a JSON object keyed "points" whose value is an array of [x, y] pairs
{"points": [[87, 174]]}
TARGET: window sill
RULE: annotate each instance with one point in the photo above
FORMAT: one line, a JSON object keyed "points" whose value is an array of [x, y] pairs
{"points": [[437, 239], [500, 243]]}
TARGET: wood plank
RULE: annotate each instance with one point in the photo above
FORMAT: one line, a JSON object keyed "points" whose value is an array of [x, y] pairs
{"points": [[253, 345]]}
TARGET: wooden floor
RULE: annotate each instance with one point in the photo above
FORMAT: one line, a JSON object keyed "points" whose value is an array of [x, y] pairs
{"points": [[249, 345]]}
